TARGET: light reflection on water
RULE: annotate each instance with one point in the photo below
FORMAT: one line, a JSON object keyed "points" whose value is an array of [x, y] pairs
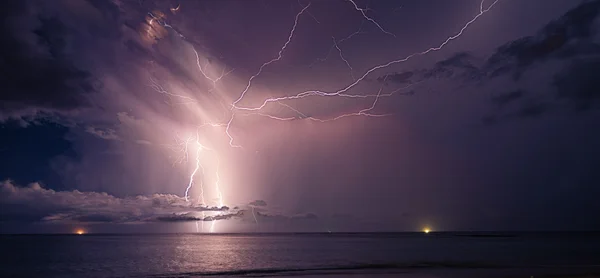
{"points": [[142, 255]]}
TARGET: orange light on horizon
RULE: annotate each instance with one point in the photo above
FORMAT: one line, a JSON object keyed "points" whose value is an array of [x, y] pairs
{"points": [[80, 232], [426, 230]]}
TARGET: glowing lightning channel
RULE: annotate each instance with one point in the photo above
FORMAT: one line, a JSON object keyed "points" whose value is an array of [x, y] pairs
{"points": [[260, 69], [184, 147], [228, 132], [212, 225], [383, 95], [381, 66], [359, 31], [363, 112], [253, 215], [185, 143], [217, 185], [279, 56], [219, 195], [311, 15], [202, 70], [201, 199], [344, 59], [191, 182], [158, 88], [364, 14]]}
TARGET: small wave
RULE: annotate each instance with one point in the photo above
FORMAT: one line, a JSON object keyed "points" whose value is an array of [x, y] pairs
{"points": [[318, 270]]}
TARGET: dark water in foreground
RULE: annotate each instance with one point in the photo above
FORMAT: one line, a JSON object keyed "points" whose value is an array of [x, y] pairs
{"points": [[307, 255]]}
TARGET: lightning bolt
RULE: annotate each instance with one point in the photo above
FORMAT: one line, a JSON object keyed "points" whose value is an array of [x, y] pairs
{"points": [[344, 59], [158, 88], [198, 166], [362, 112], [228, 132], [364, 14], [380, 66], [359, 31], [201, 198], [203, 71], [279, 56], [200, 67], [236, 109], [253, 215], [219, 195]]}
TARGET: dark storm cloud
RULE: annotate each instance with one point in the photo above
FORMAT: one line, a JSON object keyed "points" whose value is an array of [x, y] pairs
{"points": [[572, 41], [532, 109], [104, 133], [460, 65], [278, 218], [258, 203], [307, 216], [257, 213], [37, 74], [178, 218], [193, 218], [35, 203], [504, 102], [56, 58], [507, 98], [526, 109], [102, 39], [342, 216], [579, 83], [400, 77], [567, 37]]}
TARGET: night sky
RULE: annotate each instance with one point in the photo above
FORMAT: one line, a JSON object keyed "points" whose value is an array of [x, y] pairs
{"points": [[278, 116]]}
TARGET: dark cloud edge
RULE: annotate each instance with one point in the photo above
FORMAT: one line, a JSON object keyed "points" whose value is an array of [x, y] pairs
{"points": [[33, 203], [567, 40]]}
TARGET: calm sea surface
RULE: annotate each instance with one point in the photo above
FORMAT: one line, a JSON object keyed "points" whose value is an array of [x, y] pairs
{"points": [[307, 255]]}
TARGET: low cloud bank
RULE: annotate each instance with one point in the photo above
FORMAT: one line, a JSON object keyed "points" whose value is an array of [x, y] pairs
{"points": [[34, 203]]}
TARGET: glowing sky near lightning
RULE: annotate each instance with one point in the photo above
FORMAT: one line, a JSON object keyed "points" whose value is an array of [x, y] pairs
{"points": [[156, 23], [370, 116]]}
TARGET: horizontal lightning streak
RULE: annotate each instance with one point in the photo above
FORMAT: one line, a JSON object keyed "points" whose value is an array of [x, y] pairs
{"points": [[381, 66], [363, 112], [158, 88]]}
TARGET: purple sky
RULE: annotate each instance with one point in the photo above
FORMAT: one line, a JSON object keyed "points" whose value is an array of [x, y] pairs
{"points": [[110, 107]]}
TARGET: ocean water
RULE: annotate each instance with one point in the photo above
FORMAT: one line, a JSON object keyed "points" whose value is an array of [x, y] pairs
{"points": [[304, 255]]}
